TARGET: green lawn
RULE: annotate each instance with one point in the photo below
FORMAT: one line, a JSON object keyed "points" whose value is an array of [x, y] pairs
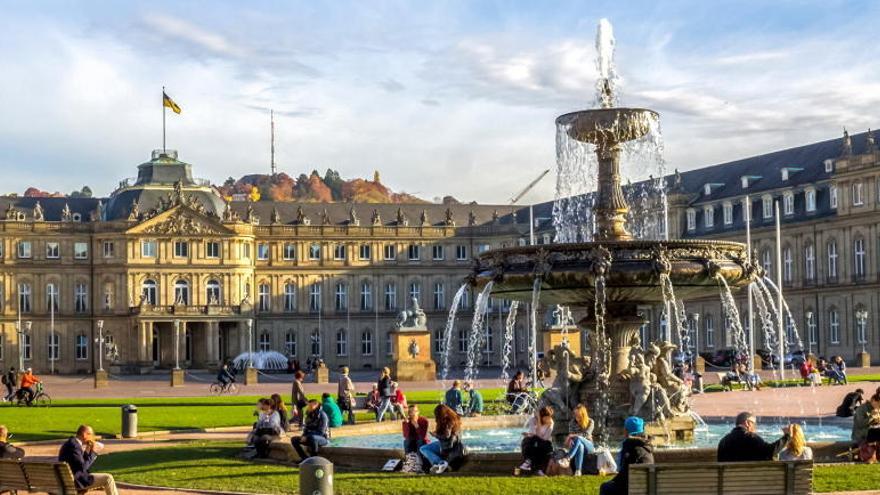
{"points": [[214, 466]]}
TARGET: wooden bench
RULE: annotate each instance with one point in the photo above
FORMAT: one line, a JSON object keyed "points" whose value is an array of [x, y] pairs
{"points": [[37, 476], [722, 478]]}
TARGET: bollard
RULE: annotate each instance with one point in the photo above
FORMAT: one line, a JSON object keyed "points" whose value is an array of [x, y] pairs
{"points": [[316, 476], [129, 421]]}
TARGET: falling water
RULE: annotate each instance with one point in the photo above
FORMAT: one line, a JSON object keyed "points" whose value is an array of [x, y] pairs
{"points": [[533, 329], [449, 329], [773, 314], [608, 80], [507, 347], [731, 313], [679, 316], [476, 336], [601, 362], [793, 336]]}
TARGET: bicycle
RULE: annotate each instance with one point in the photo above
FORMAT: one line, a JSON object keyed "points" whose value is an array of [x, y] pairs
{"points": [[41, 398], [523, 403], [230, 388]]}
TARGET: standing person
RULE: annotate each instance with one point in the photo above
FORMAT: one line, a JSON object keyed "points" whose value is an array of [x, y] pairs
{"points": [[267, 429], [866, 428], [453, 398], [281, 409], [316, 431], [384, 387], [580, 439], [415, 430], [7, 450], [80, 452], [796, 449], [851, 402], [635, 449], [345, 394], [298, 398], [743, 444], [398, 401], [26, 389], [839, 367], [537, 445], [9, 380], [475, 400], [334, 415], [448, 451]]}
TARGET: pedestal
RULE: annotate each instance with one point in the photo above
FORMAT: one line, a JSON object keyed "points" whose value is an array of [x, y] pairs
{"points": [[250, 376], [757, 362], [102, 379], [177, 379], [322, 374], [700, 364], [412, 356], [864, 359], [554, 336]]}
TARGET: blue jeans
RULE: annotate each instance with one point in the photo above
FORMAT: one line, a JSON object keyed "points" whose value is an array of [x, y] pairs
{"points": [[384, 407], [312, 442], [431, 451], [579, 447]]}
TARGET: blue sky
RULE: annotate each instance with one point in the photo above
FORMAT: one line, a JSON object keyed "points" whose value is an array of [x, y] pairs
{"points": [[442, 97]]}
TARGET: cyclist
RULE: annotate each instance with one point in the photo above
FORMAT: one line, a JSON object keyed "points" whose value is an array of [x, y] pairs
{"points": [[26, 390], [225, 376]]}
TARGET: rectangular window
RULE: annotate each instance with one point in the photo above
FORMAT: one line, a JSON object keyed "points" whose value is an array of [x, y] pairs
{"points": [[246, 250], [390, 252], [832, 260], [52, 297], [341, 297], [341, 342], [263, 251], [691, 219], [415, 291], [81, 298], [314, 251], [728, 213], [339, 252], [366, 296], [24, 298], [290, 342], [710, 331], [787, 263], [439, 296], [289, 297], [709, 216], [264, 298], [811, 328], [81, 347], [212, 249], [148, 249], [365, 253], [832, 195], [810, 199], [289, 251], [834, 326], [437, 253], [81, 250], [181, 249], [414, 252], [54, 346], [367, 343], [857, 189], [24, 249], [767, 205], [390, 297], [315, 297], [461, 253], [788, 203], [52, 251], [109, 248]]}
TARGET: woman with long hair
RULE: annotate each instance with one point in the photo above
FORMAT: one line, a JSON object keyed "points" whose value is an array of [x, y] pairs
{"points": [[536, 445], [385, 394], [796, 449], [282, 411], [448, 451], [298, 395], [579, 441]]}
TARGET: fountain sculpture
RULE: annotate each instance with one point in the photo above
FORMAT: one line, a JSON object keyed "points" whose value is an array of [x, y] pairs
{"points": [[611, 277]]}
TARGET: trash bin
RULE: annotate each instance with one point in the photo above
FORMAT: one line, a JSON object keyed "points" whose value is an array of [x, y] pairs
{"points": [[129, 421], [316, 476]]}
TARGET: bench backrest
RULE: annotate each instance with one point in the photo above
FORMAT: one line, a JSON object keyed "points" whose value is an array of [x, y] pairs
{"points": [[722, 478], [11, 476]]}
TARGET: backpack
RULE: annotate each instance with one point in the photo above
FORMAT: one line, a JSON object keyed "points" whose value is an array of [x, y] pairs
{"points": [[4, 380]]}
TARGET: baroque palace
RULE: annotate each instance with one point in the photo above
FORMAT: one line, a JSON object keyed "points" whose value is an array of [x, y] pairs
{"points": [[166, 260]]}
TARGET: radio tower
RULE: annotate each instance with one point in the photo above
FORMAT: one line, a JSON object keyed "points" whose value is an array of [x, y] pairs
{"points": [[272, 149]]}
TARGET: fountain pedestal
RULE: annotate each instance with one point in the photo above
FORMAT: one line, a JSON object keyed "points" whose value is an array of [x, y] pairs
{"points": [[557, 334], [757, 362], [864, 359], [412, 356], [700, 364]]}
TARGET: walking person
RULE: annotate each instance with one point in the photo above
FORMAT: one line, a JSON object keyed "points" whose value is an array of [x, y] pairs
{"points": [[298, 398], [635, 449], [743, 444], [80, 452], [9, 380], [316, 431], [385, 394], [345, 394]]}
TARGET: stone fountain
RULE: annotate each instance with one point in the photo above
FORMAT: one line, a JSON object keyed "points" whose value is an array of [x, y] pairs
{"points": [[611, 277]]}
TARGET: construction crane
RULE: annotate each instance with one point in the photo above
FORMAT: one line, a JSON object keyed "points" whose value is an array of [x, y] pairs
{"points": [[519, 196]]}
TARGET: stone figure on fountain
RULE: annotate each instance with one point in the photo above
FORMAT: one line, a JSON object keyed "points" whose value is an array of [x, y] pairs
{"points": [[412, 319], [571, 383]]}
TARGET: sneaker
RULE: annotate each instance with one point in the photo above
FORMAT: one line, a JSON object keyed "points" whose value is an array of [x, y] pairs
{"points": [[540, 473], [577, 472], [440, 468], [526, 465], [564, 462]]}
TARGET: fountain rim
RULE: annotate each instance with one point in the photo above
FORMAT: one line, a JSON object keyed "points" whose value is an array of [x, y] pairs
{"points": [[566, 118], [616, 244]]}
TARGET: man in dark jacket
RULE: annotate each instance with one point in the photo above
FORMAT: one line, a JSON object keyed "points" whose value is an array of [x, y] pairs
{"points": [[316, 432], [9, 380], [850, 403], [636, 449], [743, 444], [79, 452], [7, 450]]}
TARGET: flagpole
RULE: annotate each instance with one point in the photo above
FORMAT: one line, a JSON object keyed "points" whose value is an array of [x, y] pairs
{"points": [[163, 119]]}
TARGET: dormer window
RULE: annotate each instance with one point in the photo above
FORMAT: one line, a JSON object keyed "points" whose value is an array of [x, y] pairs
{"points": [[728, 213], [691, 219], [709, 186], [745, 182], [709, 216], [829, 165], [788, 203], [785, 174], [748, 180], [810, 199], [788, 171], [767, 203]]}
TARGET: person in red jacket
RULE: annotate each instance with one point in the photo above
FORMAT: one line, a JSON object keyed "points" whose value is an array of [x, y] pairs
{"points": [[415, 430]]}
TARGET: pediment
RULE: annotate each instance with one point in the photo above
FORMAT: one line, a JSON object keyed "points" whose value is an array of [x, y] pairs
{"points": [[180, 220]]}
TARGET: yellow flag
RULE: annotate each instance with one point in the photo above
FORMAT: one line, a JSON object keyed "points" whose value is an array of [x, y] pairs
{"points": [[168, 102]]}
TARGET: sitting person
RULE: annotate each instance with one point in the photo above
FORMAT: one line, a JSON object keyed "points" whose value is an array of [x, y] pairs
{"points": [[398, 401], [7, 450], [635, 449], [415, 430], [331, 409], [281, 409], [453, 398], [267, 429], [475, 400], [80, 452], [796, 448], [373, 399], [579, 441], [225, 376], [448, 452], [537, 445], [515, 388], [866, 428], [806, 369], [316, 432], [837, 370], [743, 444], [732, 376], [851, 402]]}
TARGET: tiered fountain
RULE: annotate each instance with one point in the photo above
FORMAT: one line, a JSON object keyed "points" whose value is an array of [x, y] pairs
{"points": [[610, 277]]}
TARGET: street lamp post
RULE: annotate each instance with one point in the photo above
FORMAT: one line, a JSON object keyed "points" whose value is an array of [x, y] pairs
{"points": [[809, 316], [250, 374], [100, 342], [862, 317], [22, 333], [176, 344]]}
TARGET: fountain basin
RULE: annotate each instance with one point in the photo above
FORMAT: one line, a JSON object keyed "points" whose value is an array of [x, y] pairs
{"points": [[632, 270], [608, 125]]}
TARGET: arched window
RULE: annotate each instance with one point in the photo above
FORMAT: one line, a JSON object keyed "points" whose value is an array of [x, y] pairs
{"points": [[81, 347], [265, 343], [787, 265], [859, 269], [767, 260], [831, 249], [213, 292], [181, 292], [415, 292], [341, 296], [390, 297], [54, 346], [462, 340], [149, 290], [290, 342], [367, 342], [439, 295], [52, 297], [81, 297], [24, 298], [710, 330], [341, 342], [366, 296], [264, 297], [834, 326], [809, 262], [812, 333], [315, 297], [289, 297]]}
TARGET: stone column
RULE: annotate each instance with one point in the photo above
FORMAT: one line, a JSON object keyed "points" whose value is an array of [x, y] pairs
{"points": [[212, 345], [144, 346]]}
